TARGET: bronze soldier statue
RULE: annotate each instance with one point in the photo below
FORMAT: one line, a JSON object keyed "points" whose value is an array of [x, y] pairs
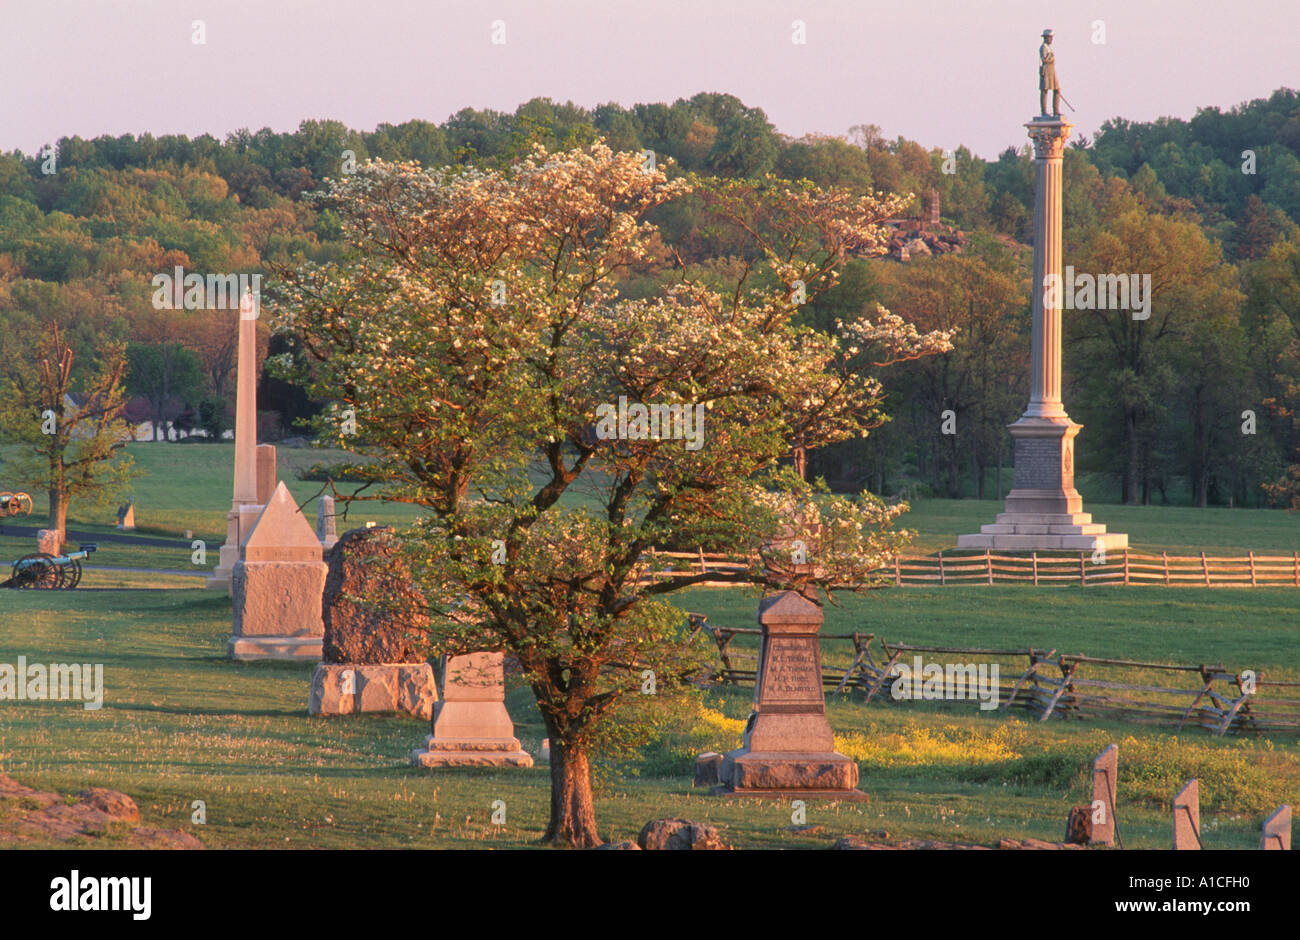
{"points": [[1047, 76]]}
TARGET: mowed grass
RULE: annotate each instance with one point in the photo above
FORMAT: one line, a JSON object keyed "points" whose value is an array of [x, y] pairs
{"points": [[182, 723]]}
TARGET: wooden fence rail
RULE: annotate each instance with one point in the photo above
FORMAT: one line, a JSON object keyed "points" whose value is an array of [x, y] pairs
{"points": [[1051, 685], [1125, 567]]}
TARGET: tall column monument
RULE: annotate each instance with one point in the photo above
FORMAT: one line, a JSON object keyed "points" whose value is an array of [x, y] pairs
{"points": [[1043, 509], [245, 506]]}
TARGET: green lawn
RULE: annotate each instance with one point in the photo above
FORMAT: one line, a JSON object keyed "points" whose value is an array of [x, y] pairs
{"points": [[181, 723]]}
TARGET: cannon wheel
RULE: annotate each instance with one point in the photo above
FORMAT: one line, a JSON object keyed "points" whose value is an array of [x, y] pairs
{"points": [[46, 577], [71, 575], [24, 504]]}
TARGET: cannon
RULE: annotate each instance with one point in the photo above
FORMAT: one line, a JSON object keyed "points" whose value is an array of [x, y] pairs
{"points": [[41, 570], [15, 504]]}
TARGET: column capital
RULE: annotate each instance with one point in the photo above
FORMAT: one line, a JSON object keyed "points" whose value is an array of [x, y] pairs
{"points": [[1049, 136]]}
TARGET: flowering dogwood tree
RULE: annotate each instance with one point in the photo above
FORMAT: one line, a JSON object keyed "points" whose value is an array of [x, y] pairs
{"points": [[555, 430]]}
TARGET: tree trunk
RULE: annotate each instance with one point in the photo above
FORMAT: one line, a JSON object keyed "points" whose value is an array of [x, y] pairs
{"points": [[59, 512], [1131, 472], [573, 814]]}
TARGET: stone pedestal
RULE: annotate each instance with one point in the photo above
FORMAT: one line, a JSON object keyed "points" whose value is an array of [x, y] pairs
{"points": [[356, 688], [472, 727], [788, 749], [277, 586], [1044, 511]]}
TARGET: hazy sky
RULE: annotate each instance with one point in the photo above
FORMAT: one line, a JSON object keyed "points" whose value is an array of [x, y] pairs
{"points": [[942, 72]]}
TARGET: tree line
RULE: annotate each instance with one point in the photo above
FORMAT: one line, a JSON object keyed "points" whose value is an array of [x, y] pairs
{"points": [[1195, 403]]}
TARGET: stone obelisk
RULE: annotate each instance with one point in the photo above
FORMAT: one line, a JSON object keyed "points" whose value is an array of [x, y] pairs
{"points": [[245, 505], [1043, 509]]}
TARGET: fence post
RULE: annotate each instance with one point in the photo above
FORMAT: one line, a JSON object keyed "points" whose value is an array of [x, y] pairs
{"points": [[1083, 572], [942, 582], [1205, 569], [988, 563], [1164, 556], [898, 575], [1295, 561], [1035, 560], [1251, 556], [703, 568], [1126, 567]]}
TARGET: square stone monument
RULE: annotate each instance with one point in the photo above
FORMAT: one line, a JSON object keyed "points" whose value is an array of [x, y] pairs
{"points": [[471, 727], [1277, 830], [1187, 816], [1105, 783], [788, 748], [277, 586]]}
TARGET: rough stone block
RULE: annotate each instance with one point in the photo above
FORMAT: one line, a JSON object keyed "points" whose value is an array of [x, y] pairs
{"points": [[354, 688]]}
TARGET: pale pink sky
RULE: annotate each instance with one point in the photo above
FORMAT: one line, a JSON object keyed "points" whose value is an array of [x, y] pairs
{"points": [[942, 72]]}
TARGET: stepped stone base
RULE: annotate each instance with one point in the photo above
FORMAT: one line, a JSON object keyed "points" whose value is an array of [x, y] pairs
{"points": [[306, 648], [1044, 512], [785, 774], [472, 752]]}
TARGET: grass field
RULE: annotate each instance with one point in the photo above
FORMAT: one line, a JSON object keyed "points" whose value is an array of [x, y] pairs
{"points": [[182, 723]]}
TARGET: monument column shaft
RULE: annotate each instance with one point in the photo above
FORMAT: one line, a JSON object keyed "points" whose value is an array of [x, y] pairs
{"points": [[1045, 343], [246, 413]]}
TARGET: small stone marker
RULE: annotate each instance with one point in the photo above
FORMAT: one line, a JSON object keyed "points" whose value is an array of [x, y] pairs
{"points": [[326, 529], [47, 541], [788, 748], [266, 477], [126, 516], [472, 727], [1105, 783], [1277, 830], [1187, 816], [277, 586]]}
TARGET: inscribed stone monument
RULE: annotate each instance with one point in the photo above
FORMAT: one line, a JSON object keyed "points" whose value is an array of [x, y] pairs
{"points": [[472, 727], [788, 749]]}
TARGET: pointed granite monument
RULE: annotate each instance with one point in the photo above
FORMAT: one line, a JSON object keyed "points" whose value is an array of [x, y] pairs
{"points": [[277, 586], [1043, 509]]}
